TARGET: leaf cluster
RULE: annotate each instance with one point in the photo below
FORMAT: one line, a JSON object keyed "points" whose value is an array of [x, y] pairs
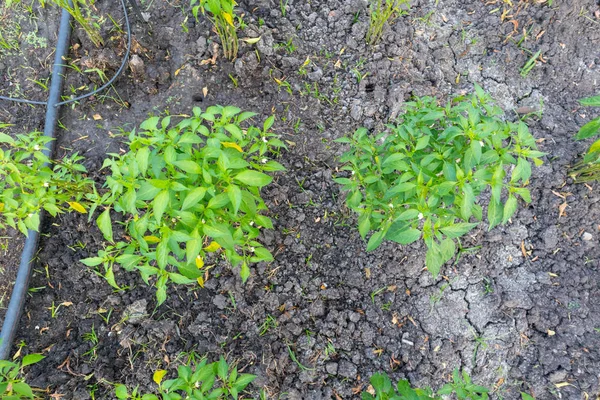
{"points": [[30, 182], [203, 382], [188, 190], [12, 383], [423, 177], [462, 387], [588, 169]]}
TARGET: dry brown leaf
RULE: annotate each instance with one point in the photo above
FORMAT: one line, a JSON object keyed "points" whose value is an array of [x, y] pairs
{"points": [[561, 210]]}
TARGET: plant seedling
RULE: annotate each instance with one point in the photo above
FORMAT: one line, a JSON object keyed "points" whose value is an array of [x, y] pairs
{"points": [[588, 169], [530, 64], [215, 380], [380, 13], [190, 192], [12, 382], [423, 176], [220, 13]]}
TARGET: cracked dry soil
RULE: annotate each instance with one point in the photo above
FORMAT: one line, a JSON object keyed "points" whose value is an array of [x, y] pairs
{"points": [[520, 312]]}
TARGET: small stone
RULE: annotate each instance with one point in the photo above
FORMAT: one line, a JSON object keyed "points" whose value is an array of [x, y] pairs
{"points": [[220, 301], [136, 312], [201, 45], [137, 66], [315, 75], [558, 376], [587, 236], [331, 368], [317, 308], [347, 369], [356, 112]]}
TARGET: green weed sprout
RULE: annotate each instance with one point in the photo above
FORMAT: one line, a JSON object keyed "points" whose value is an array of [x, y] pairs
{"points": [[423, 176], [205, 381], [220, 13], [588, 169], [27, 186], [12, 383], [188, 190], [380, 12], [81, 12]]}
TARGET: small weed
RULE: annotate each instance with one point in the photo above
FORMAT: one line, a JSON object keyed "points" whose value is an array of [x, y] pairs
{"points": [[376, 292], [92, 338], [380, 13], [530, 64], [269, 323], [487, 286], [283, 7], [81, 11], [294, 359], [588, 169]]}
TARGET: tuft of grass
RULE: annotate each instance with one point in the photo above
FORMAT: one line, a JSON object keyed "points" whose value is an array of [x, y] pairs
{"points": [[380, 13]]}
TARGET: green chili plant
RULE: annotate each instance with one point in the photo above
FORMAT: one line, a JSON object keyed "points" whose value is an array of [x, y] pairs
{"points": [[215, 380], [187, 190], [423, 177], [27, 186], [12, 382], [462, 387], [220, 13], [588, 169], [380, 13]]}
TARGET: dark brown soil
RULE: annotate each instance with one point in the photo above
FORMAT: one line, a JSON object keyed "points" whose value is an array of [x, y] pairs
{"points": [[522, 313]]}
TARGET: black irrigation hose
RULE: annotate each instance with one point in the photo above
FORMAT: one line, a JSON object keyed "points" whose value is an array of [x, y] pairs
{"points": [[17, 298], [21, 285], [101, 88]]}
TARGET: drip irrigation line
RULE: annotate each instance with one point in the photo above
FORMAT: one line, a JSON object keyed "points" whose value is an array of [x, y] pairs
{"points": [[21, 285], [107, 84]]}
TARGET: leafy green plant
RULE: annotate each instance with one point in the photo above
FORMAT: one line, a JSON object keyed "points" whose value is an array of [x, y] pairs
{"points": [[205, 381], [12, 383], [188, 190], [380, 12], [28, 185], [81, 11], [462, 387], [220, 13], [422, 178], [588, 169]]}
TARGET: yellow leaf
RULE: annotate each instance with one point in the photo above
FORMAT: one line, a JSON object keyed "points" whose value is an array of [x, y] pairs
{"points": [[151, 239], [97, 117], [1, 207], [228, 18], [594, 147], [200, 282], [199, 262], [77, 207], [158, 376], [562, 384], [551, 332], [211, 248], [251, 40], [232, 145]]}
